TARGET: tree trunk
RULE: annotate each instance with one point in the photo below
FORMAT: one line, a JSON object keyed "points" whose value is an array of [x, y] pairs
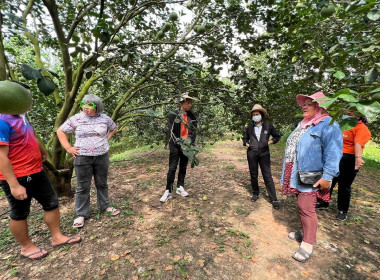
{"points": [[61, 182], [3, 72]]}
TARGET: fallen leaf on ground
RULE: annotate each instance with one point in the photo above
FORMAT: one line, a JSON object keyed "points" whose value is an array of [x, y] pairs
{"points": [[305, 274], [114, 258], [169, 267], [102, 272], [126, 253], [264, 240], [201, 262], [254, 259]]}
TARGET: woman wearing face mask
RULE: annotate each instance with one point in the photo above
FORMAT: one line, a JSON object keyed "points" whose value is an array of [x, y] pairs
{"points": [[257, 140], [313, 148], [354, 141], [92, 131]]}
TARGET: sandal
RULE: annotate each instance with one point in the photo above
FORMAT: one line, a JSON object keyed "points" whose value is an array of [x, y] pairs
{"points": [[30, 256], [301, 251], [78, 222], [113, 211], [296, 236]]}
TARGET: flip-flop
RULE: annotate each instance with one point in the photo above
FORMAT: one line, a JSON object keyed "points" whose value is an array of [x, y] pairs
{"points": [[78, 222], [32, 254], [67, 242], [301, 251], [113, 211]]}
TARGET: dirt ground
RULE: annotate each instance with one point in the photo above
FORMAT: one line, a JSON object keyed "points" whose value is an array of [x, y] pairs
{"points": [[224, 237]]}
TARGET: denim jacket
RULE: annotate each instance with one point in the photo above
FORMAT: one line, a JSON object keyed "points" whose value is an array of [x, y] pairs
{"points": [[318, 149]]}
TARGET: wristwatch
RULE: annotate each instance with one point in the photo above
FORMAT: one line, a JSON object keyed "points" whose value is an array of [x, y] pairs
{"points": [[358, 156]]}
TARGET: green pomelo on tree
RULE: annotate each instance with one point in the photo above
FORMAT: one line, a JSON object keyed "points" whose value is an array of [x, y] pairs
{"points": [[220, 46], [166, 27], [201, 29], [116, 39], [14, 98], [328, 11], [160, 34], [173, 16]]}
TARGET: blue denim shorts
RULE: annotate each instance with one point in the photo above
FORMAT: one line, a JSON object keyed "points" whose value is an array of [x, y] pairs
{"points": [[37, 186]]}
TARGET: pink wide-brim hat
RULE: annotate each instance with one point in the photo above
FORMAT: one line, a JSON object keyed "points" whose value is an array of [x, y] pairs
{"points": [[301, 98]]}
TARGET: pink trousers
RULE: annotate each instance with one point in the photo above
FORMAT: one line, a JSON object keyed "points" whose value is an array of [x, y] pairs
{"points": [[306, 203]]}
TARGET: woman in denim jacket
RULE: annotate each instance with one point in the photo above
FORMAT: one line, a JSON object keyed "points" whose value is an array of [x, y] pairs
{"points": [[314, 145]]}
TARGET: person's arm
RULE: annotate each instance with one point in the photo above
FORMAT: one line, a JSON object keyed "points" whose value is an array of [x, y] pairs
{"points": [[62, 137], [246, 138], [111, 133], [275, 136], [358, 156], [332, 142], [6, 168]]}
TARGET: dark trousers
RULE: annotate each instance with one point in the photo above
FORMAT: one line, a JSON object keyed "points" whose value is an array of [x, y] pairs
{"points": [[176, 155], [347, 174], [254, 160]]}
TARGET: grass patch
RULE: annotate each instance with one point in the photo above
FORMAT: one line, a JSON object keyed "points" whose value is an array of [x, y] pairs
{"points": [[6, 238], [371, 156], [119, 154]]}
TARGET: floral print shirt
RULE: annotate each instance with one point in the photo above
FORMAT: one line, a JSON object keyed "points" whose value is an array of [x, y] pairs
{"points": [[90, 133]]}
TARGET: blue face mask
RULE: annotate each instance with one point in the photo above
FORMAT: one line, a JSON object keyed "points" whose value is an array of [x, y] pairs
{"points": [[256, 119], [344, 117]]}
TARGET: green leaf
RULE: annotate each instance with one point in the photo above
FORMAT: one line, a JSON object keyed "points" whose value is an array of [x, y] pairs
{"points": [[375, 90], [369, 108], [374, 14], [327, 104], [51, 72], [46, 86], [371, 76], [347, 97], [30, 73], [347, 124], [339, 75]]}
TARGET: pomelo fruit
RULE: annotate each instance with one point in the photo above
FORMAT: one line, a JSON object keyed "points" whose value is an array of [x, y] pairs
{"points": [[116, 39], [328, 11], [14, 98], [160, 34], [201, 29], [220, 46], [173, 16], [166, 27]]}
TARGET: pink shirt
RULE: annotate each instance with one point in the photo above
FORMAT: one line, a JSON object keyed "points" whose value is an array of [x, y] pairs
{"points": [[90, 133]]}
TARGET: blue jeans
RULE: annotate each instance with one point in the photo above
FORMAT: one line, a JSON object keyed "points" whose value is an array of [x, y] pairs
{"points": [[85, 168]]}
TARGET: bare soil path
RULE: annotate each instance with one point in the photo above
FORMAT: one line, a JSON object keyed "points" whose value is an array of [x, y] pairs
{"points": [[224, 237]]}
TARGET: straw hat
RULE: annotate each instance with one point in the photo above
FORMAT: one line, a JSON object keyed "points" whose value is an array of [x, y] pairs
{"points": [[257, 107], [185, 96]]}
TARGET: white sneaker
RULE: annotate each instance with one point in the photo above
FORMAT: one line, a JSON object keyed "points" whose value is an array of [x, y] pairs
{"points": [[167, 195], [181, 191]]}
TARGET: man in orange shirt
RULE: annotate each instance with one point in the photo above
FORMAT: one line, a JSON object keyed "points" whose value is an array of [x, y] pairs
{"points": [[354, 141], [180, 126]]}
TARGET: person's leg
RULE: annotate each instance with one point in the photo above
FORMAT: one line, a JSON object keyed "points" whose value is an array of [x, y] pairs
{"points": [[183, 160], [42, 190], [308, 216], [84, 171], [18, 225], [19, 229], [253, 171], [264, 162], [101, 164], [306, 208], [345, 180], [173, 162]]}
